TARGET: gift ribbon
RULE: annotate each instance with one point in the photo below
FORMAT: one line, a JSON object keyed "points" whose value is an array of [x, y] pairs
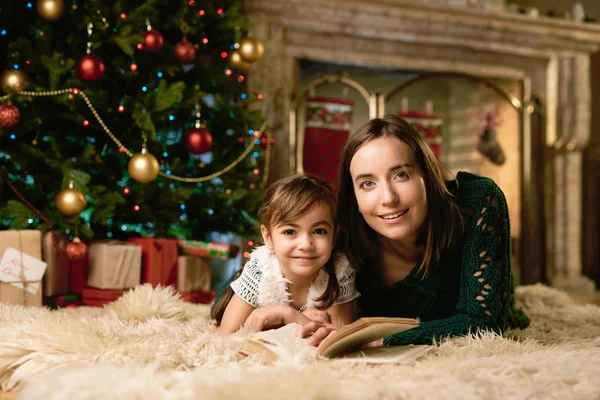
{"points": [[60, 252], [23, 277]]}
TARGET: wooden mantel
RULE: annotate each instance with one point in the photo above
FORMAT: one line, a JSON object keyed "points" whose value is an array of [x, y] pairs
{"points": [[399, 20], [550, 57]]}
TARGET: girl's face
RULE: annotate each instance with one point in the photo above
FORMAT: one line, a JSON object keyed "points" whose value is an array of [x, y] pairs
{"points": [[303, 245], [389, 189]]}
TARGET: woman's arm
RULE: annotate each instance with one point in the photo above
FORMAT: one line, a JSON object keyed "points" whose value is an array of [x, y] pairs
{"points": [[486, 299], [236, 313]]}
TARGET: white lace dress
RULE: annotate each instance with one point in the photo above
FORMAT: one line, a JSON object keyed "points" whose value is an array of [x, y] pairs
{"points": [[262, 283]]}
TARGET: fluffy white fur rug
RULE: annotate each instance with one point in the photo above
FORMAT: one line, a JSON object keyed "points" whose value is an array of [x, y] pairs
{"points": [[151, 345]]}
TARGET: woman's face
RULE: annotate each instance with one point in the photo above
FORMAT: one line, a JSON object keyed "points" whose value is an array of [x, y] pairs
{"points": [[389, 189]]}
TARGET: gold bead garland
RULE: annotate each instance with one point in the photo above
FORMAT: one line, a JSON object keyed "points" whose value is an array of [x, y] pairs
{"points": [[130, 154]]}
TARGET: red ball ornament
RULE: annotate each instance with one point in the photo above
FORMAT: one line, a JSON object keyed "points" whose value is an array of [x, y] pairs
{"points": [[90, 68], [77, 250], [153, 41], [198, 141], [78, 254], [185, 51], [9, 115]]}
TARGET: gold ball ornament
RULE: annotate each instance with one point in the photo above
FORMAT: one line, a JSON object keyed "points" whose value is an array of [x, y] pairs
{"points": [[238, 62], [14, 81], [50, 10], [70, 202], [251, 49], [143, 167]]}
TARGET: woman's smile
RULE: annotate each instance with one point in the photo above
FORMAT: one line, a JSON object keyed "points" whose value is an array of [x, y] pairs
{"points": [[394, 216]]}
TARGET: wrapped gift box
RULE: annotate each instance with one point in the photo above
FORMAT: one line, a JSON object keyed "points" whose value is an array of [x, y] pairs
{"points": [[62, 301], [200, 248], [56, 278], [193, 274], [98, 298], [159, 260], [114, 265], [28, 242], [14, 295]]}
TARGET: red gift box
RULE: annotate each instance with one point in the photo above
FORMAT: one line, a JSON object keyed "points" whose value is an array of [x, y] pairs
{"points": [[98, 297], [159, 260], [62, 301], [222, 251]]}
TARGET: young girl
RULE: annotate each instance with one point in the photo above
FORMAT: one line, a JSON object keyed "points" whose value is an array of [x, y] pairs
{"points": [[293, 277]]}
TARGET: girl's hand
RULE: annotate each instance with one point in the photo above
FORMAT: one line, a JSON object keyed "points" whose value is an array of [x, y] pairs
{"points": [[320, 331], [317, 315], [264, 318]]}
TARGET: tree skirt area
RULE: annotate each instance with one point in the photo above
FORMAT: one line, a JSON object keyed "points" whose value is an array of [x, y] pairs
{"points": [[149, 344]]}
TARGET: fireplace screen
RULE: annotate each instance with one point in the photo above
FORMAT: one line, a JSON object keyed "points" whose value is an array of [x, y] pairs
{"points": [[472, 124]]}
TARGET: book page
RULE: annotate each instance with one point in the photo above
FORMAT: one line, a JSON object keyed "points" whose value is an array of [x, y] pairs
{"points": [[388, 354], [283, 342], [352, 337]]}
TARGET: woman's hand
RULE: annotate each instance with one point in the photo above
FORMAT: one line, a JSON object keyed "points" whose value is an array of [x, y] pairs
{"points": [[320, 331], [317, 315], [269, 317]]}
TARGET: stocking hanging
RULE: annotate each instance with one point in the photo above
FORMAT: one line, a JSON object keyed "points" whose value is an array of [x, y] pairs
{"points": [[488, 144], [429, 126], [327, 128]]}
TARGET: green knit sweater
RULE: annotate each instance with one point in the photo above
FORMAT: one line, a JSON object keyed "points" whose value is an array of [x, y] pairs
{"points": [[472, 289]]}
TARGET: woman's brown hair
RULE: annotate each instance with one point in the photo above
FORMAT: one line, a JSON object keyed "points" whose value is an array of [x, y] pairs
{"points": [[444, 224], [285, 200]]}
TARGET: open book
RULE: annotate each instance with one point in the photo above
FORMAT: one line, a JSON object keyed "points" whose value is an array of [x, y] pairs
{"points": [[346, 343]]}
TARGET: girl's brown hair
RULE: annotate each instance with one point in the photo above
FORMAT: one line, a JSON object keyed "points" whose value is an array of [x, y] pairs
{"points": [[285, 200], [444, 224]]}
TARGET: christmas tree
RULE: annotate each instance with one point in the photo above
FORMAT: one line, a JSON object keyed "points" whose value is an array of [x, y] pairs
{"points": [[87, 85]]}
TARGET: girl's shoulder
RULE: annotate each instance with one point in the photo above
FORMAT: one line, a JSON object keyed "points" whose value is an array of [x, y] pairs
{"points": [[260, 256], [343, 269], [258, 262]]}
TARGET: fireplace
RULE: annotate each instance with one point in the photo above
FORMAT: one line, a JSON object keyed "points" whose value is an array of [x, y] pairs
{"points": [[459, 107], [541, 65]]}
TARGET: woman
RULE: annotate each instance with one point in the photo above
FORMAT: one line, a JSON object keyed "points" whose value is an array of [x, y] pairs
{"points": [[422, 247]]}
